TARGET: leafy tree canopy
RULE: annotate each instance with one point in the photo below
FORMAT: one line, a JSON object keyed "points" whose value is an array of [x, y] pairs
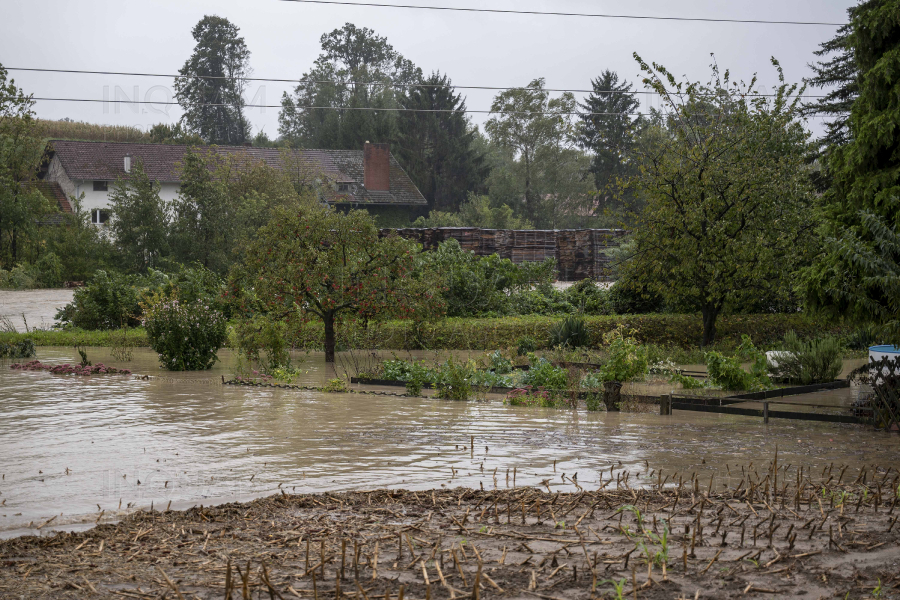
{"points": [[728, 197], [319, 263], [366, 71], [140, 219], [211, 84]]}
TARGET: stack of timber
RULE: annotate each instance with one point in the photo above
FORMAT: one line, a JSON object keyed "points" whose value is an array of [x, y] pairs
{"points": [[579, 253]]}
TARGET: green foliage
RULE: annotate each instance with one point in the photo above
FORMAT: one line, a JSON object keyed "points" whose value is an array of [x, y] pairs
{"points": [[857, 278], [525, 345], [810, 361], [186, 335], [454, 381], [482, 284], [416, 376], [356, 59], [540, 171], [543, 374], [627, 359], [323, 264], [607, 131], [212, 82], [21, 148], [47, 272], [569, 333], [263, 343], [476, 211], [82, 247], [728, 215], [108, 301], [727, 373], [19, 349], [140, 219], [336, 386], [589, 298], [435, 144]]}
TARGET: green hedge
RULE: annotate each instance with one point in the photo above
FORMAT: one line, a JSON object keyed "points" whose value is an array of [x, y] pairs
{"points": [[78, 337], [684, 331]]}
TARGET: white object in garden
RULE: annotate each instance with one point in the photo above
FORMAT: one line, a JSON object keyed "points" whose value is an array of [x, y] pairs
{"points": [[877, 353], [773, 358]]}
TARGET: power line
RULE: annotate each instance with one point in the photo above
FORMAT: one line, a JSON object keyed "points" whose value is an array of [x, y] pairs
{"points": [[564, 14], [364, 108], [372, 83]]}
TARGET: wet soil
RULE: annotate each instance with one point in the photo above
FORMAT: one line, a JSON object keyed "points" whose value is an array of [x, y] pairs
{"points": [[783, 532]]}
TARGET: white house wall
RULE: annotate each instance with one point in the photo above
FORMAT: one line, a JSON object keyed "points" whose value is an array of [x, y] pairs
{"points": [[94, 200]]}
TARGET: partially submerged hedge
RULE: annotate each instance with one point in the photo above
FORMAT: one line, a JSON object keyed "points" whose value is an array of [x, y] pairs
{"points": [[137, 337], [684, 331]]}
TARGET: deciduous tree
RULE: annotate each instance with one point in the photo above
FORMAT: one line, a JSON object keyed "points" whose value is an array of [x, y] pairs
{"points": [[319, 263], [140, 219], [728, 197]]}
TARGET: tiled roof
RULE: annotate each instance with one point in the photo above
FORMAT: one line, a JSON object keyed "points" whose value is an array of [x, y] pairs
{"points": [[52, 192], [105, 161]]}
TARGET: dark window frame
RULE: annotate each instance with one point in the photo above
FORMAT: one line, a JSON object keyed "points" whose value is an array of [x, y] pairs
{"points": [[100, 216], [101, 185]]}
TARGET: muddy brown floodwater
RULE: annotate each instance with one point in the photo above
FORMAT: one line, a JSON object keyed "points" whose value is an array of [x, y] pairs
{"points": [[79, 449]]}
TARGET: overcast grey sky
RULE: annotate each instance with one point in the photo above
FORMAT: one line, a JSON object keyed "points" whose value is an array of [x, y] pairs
{"points": [[473, 49]]}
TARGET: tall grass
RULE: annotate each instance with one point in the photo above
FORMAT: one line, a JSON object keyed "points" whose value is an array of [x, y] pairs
{"points": [[92, 132]]}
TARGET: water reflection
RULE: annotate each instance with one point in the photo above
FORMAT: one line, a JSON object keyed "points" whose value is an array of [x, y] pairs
{"points": [[78, 446]]}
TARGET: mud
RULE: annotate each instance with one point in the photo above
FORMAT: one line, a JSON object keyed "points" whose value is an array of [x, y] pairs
{"points": [[782, 532]]}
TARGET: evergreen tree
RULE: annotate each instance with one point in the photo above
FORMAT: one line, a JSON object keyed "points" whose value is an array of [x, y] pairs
{"points": [[212, 81], [839, 75], [437, 148], [140, 219], [857, 278], [607, 130], [365, 70]]}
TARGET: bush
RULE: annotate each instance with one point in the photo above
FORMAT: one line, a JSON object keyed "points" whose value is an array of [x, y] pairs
{"points": [[47, 272], [543, 374], [627, 359], [727, 373], [109, 301], [525, 345], [186, 336], [589, 298], [570, 333], [263, 343], [631, 298], [21, 349], [454, 381], [807, 362]]}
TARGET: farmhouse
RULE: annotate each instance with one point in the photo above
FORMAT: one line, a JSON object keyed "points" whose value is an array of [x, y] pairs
{"points": [[369, 178]]}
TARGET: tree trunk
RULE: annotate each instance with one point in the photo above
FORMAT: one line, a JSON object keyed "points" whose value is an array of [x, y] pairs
{"points": [[329, 337], [612, 395], [709, 324]]}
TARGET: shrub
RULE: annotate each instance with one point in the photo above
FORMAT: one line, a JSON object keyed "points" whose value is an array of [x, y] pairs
{"points": [[21, 349], [627, 359], [263, 343], [336, 386], [109, 301], [543, 374], [813, 361], [416, 376], [627, 297], [525, 345], [727, 373], [454, 381], [186, 336], [589, 298], [570, 333], [529, 396]]}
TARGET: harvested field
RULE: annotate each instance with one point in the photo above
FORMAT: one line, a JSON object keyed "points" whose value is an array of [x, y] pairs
{"points": [[781, 533]]}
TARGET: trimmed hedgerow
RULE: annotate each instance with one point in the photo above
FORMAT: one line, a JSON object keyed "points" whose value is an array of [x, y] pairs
{"points": [[683, 331]]}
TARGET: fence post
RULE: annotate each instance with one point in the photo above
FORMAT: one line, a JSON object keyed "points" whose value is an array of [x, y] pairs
{"points": [[665, 404], [766, 413]]}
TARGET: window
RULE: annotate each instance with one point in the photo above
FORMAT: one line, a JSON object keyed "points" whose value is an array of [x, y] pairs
{"points": [[101, 186], [99, 216]]}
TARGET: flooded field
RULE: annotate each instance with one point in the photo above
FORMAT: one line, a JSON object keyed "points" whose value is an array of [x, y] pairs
{"points": [[78, 449], [28, 309]]}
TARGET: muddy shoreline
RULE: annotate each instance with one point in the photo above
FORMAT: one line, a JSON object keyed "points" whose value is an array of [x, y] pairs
{"points": [[782, 532]]}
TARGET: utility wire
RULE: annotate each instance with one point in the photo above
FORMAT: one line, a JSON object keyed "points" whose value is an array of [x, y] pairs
{"points": [[365, 108], [564, 14], [372, 83]]}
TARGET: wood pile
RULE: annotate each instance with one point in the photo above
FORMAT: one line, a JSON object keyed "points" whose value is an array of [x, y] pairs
{"points": [[579, 253]]}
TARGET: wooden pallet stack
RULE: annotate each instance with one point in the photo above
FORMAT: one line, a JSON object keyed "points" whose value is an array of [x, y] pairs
{"points": [[579, 253]]}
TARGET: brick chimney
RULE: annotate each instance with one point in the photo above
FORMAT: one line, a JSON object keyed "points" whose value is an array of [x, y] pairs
{"points": [[377, 167]]}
